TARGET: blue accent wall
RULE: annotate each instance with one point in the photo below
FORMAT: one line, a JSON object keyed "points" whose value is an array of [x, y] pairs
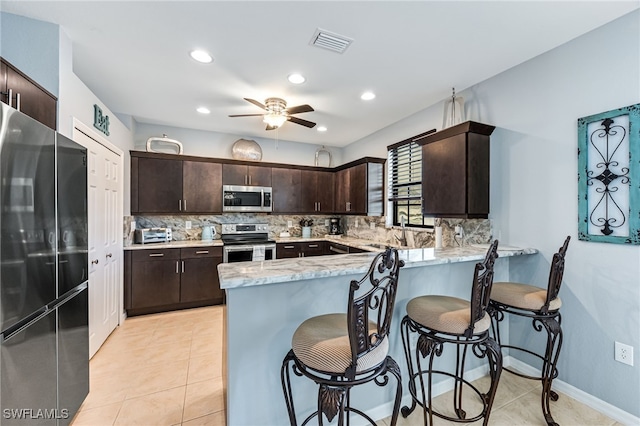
{"points": [[32, 46]]}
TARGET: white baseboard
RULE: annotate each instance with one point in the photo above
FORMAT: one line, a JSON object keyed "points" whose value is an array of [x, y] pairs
{"points": [[599, 405], [383, 411]]}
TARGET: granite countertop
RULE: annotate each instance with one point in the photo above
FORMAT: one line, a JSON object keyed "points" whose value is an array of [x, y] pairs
{"points": [[175, 244], [247, 274]]}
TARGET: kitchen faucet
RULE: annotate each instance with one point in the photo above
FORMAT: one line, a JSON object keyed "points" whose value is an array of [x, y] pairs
{"points": [[403, 238]]}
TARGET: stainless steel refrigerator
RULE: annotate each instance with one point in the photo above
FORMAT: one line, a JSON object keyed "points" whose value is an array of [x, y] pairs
{"points": [[44, 333]]}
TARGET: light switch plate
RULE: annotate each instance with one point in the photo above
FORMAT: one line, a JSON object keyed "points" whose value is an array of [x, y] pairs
{"points": [[289, 224], [133, 226], [187, 224], [372, 225]]}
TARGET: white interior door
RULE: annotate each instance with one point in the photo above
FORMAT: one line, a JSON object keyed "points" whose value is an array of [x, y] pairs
{"points": [[105, 240]]}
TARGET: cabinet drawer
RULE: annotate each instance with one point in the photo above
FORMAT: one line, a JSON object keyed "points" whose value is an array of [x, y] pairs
{"points": [[196, 252], [315, 248], [147, 255]]}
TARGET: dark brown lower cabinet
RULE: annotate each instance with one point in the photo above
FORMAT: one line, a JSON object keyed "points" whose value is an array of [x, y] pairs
{"points": [[300, 249], [167, 279], [337, 248], [199, 275]]}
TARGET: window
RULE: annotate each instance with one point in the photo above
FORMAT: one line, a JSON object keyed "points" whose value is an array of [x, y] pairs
{"points": [[405, 182]]}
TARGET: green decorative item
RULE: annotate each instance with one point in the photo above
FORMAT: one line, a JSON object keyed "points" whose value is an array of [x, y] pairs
{"points": [[609, 176], [100, 121]]}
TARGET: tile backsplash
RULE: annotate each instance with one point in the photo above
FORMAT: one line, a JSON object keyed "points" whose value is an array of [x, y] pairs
{"points": [[475, 230]]}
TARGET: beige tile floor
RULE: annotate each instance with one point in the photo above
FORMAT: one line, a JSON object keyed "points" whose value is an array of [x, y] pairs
{"points": [[166, 369], [162, 369]]}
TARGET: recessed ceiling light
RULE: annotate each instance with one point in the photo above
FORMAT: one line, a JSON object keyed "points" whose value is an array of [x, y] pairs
{"points": [[201, 56], [322, 129], [367, 96], [203, 110], [296, 78]]}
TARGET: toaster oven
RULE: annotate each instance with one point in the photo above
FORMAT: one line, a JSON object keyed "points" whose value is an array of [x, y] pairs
{"points": [[152, 235]]}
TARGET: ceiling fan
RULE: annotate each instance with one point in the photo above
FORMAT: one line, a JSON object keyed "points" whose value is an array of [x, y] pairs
{"points": [[277, 113]]}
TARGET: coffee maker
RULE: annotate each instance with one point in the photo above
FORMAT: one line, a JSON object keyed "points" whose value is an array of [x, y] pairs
{"points": [[334, 226]]}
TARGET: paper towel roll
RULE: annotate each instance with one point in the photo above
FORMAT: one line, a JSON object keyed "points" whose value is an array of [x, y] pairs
{"points": [[438, 236]]}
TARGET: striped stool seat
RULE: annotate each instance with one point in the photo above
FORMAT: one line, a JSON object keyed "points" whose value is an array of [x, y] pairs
{"points": [[445, 314], [523, 296], [322, 343]]}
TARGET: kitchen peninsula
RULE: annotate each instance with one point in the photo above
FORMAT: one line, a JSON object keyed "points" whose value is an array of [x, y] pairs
{"points": [[266, 301]]}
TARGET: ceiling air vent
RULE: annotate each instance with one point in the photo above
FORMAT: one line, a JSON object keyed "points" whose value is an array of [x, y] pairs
{"points": [[330, 41]]}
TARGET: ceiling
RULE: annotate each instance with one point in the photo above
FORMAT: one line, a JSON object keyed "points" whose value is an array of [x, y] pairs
{"points": [[134, 56]]}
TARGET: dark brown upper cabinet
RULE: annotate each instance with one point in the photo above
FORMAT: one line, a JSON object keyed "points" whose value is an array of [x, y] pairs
{"points": [[359, 187], [25, 95], [286, 190], [241, 174], [317, 191], [455, 171], [182, 184], [163, 184]]}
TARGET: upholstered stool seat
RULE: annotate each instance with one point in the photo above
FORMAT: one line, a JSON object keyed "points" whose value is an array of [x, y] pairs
{"points": [[445, 321], [523, 296], [322, 343], [542, 305], [445, 314], [339, 351]]}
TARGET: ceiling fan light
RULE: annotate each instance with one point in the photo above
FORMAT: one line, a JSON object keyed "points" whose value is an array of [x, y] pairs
{"points": [[203, 110], [274, 119], [367, 96], [322, 129]]}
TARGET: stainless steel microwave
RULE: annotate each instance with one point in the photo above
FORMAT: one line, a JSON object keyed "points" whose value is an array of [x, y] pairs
{"points": [[237, 198]]}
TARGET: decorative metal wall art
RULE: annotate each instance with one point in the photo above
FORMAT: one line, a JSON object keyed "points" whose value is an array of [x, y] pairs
{"points": [[609, 176]]}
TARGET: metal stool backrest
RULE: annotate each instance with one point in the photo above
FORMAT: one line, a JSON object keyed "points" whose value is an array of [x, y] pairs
{"points": [[481, 287], [372, 298], [555, 275]]}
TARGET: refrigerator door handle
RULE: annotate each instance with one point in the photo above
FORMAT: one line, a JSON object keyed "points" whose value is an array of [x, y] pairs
{"points": [[17, 328]]}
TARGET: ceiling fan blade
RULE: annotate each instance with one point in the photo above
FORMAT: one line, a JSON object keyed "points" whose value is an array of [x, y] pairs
{"points": [[271, 127], [299, 109], [246, 115], [256, 103], [302, 122]]}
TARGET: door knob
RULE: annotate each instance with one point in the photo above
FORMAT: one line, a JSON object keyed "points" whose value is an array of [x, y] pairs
{"points": [[94, 262], [109, 255]]}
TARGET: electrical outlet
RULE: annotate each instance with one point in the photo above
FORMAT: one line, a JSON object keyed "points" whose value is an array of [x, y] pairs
{"points": [[187, 224], [458, 231], [356, 225], [372, 225], [624, 353], [289, 224], [326, 222]]}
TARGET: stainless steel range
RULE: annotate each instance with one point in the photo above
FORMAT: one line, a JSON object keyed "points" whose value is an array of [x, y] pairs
{"points": [[246, 242]]}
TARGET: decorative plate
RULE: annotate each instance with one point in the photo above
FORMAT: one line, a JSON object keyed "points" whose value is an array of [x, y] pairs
{"points": [[246, 149]]}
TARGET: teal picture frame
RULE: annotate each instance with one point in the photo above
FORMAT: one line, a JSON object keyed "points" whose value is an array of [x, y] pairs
{"points": [[609, 176]]}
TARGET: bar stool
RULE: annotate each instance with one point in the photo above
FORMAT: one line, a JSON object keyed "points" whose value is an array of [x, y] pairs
{"points": [[444, 320], [543, 307], [339, 351]]}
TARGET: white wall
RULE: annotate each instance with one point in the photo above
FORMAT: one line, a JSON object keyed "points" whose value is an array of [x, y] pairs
{"points": [[535, 107], [215, 144], [32, 47]]}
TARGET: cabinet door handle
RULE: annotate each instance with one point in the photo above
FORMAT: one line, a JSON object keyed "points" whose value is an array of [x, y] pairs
{"points": [[180, 205], [319, 208], [10, 96], [182, 261], [18, 101], [313, 246], [177, 270], [156, 255], [202, 252], [185, 204], [288, 247]]}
